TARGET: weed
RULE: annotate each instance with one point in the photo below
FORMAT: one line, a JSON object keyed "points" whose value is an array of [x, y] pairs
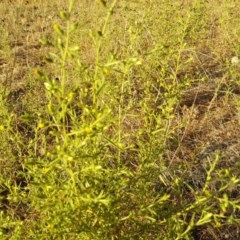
{"points": [[113, 134]]}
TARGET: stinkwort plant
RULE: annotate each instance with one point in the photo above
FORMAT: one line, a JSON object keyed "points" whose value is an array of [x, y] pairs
{"points": [[96, 167]]}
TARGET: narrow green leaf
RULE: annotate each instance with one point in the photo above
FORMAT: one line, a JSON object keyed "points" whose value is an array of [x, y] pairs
{"points": [[206, 219], [64, 15], [58, 29]]}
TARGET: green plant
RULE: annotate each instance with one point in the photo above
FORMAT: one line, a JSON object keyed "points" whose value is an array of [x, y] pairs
{"points": [[97, 158]]}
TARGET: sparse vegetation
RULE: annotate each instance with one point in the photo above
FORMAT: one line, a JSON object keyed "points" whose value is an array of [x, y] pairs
{"points": [[119, 120]]}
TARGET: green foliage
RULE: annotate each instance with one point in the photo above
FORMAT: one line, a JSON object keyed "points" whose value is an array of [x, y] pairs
{"points": [[92, 162]]}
